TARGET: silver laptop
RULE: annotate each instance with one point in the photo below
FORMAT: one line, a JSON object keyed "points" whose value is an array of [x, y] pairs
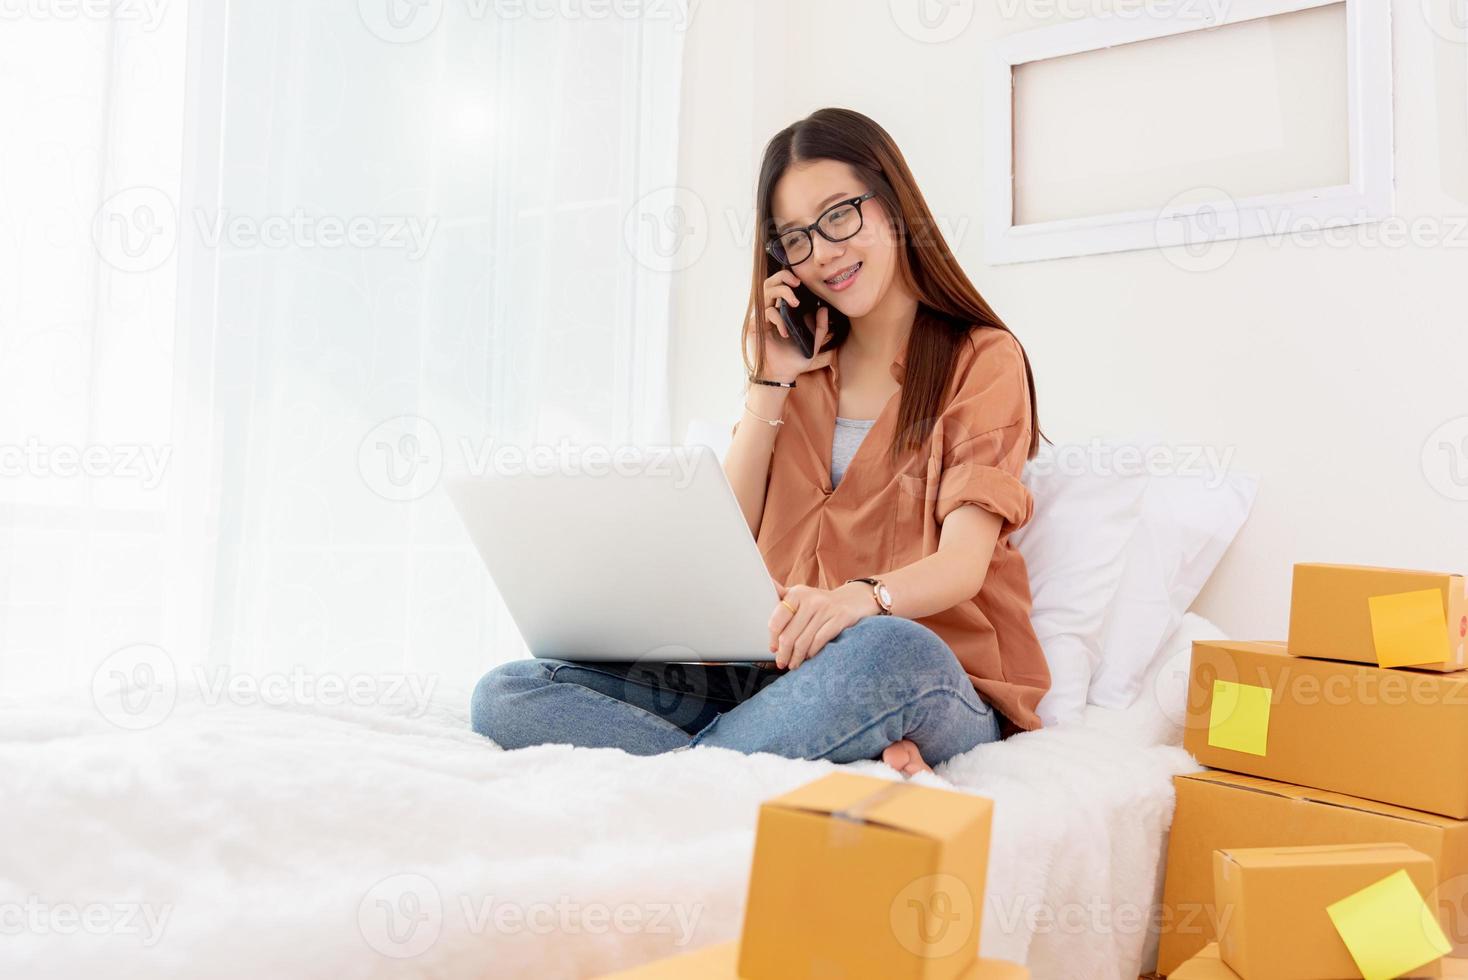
{"points": [[648, 560]]}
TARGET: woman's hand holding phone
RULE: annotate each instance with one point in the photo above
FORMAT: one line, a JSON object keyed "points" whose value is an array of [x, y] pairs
{"points": [[784, 360]]}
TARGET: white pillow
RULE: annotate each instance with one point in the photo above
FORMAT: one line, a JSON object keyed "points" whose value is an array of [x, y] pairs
{"points": [[1188, 522], [1074, 548], [1159, 713]]}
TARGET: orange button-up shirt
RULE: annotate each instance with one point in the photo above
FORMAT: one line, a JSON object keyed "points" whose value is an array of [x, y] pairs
{"points": [[882, 517]]}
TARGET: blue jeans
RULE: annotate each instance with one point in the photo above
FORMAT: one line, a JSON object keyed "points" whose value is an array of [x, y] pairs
{"points": [[881, 680]]}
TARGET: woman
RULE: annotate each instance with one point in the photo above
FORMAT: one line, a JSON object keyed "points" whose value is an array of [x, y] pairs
{"points": [[880, 478]]}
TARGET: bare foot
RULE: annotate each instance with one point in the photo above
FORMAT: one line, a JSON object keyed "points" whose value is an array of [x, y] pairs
{"points": [[905, 758]]}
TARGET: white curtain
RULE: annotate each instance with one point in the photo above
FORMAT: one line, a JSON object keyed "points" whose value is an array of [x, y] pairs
{"points": [[350, 245], [90, 151]]}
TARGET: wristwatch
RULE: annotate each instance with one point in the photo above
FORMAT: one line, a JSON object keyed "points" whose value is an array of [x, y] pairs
{"points": [[879, 593]]}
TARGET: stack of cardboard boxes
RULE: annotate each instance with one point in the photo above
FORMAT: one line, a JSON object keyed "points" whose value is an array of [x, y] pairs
{"points": [[859, 877], [1330, 836]]}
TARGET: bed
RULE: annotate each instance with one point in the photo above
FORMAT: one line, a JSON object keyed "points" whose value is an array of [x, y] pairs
{"points": [[250, 840]]}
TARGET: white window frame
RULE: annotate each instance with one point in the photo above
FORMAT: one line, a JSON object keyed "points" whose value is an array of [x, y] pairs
{"points": [[1368, 197]]}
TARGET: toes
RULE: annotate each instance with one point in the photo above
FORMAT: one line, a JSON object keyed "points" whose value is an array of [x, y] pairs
{"points": [[915, 761], [905, 758], [897, 756]]}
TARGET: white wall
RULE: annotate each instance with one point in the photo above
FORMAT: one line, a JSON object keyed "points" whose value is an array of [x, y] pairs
{"points": [[1324, 369]]}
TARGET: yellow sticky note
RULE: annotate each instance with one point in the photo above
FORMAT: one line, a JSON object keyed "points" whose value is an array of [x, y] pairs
{"points": [[1410, 628], [1239, 717], [1388, 928]]}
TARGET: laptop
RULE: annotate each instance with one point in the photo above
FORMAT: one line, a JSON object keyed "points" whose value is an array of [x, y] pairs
{"points": [[648, 559]]}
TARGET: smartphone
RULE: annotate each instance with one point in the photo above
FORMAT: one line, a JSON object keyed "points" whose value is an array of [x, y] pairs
{"points": [[803, 335]]}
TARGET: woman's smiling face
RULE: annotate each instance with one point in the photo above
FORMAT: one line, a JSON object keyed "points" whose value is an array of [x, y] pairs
{"points": [[853, 275]]}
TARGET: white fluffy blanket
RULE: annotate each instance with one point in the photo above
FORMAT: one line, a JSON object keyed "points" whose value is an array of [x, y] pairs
{"points": [[259, 841]]}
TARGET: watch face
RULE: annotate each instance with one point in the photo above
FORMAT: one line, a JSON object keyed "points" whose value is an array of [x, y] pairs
{"points": [[884, 595]]}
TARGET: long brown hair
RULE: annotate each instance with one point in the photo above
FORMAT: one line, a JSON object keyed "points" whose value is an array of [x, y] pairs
{"points": [[948, 304]]}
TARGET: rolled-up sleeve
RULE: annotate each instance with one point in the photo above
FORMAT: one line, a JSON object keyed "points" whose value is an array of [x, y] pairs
{"points": [[986, 435]]}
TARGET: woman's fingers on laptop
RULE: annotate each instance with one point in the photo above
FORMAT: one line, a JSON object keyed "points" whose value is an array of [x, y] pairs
{"points": [[827, 632], [801, 650], [821, 616], [804, 621], [780, 616], [824, 625], [798, 605]]}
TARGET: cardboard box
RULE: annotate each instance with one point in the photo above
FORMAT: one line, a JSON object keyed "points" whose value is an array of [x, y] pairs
{"points": [[715, 962], [1397, 736], [859, 876], [1207, 965], [1223, 810], [1332, 616], [719, 963], [1273, 904]]}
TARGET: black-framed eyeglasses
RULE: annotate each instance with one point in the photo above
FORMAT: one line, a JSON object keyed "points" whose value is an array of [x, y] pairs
{"points": [[837, 223]]}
